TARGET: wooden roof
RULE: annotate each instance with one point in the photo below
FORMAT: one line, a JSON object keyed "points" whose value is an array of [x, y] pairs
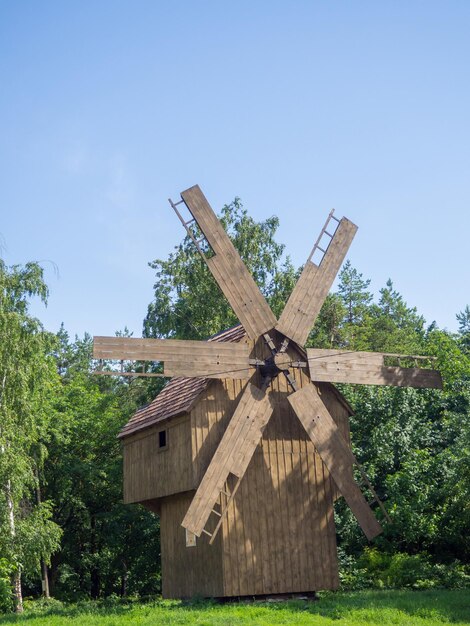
{"points": [[180, 394]]}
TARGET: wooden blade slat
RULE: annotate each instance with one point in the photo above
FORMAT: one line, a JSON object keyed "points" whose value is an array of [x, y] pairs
{"points": [[335, 454], [313, 286], [207, 359], [367, 368], [228, 269], [232, 456]]}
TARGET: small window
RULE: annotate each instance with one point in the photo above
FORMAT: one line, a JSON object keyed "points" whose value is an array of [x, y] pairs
{"points": [[162, 439]]}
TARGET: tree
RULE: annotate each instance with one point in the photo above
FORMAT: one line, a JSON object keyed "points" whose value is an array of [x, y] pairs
{"points": [[27, 380], [354, 293], [463, 319], [107, 547], [328, 331], [392, 326]]}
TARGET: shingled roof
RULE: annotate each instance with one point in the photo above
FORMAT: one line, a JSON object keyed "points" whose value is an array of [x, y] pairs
{"points": [[178, 396]]}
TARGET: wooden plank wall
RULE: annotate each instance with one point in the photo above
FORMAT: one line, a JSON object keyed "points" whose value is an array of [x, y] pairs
{"points": [[187, 571], [153, 473], [209, 418], [279, 533]]}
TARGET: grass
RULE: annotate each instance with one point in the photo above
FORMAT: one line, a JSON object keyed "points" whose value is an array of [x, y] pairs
{"points": [[361, 608]]}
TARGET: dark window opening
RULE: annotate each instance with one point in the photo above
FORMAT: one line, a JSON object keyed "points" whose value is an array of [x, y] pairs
{"points": [[162, 442]]}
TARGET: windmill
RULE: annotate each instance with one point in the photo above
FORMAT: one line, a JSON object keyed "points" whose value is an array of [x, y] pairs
{"points": [[282, 338]]}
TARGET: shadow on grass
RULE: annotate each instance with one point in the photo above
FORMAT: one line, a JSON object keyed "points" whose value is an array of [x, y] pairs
{"points": [[448, 605], [444, 605]]}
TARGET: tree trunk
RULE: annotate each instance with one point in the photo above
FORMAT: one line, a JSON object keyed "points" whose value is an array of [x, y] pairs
{"points": [[124, 579], [17, 593], [44, 568], [95, 578], [45, 579], [16, 582]]}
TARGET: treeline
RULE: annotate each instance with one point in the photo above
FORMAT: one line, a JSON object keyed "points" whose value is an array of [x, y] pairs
{"points": [[63, 528]]}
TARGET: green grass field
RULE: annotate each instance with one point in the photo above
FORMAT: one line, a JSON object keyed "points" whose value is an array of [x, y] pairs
{"points": [[356, 608]]}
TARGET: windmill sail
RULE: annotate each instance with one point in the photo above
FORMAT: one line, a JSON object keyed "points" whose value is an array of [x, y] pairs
{"points": [[189, 358], [313, 286], [367, 368], [335, 454], [229, 270], [232, 456]]}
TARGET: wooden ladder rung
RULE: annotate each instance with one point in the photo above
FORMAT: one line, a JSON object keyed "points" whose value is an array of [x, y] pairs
{"points": [[217, 512], [224, 511], [206, 532]]}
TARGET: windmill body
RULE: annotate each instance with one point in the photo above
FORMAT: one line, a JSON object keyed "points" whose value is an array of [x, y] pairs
{"points": [[278, 535], [243, 455]]}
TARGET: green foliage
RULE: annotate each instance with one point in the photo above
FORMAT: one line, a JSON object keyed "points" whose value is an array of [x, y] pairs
{"points": [[463, 319], [28, 379], [365, 608], [6, 599], [106, 547], [328, 331], [400, 570]]}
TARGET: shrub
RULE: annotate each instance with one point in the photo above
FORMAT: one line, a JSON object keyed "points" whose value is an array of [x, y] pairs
{"points": [[6, 598], [400, 571]]}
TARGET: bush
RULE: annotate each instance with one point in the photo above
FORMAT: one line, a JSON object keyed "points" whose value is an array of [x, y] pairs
{"points": [[6, 598], [400, 571]]}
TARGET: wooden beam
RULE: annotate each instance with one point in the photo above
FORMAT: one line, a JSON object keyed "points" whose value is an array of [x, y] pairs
{"points": [[232, 456], [206, 359], [367, 368], [313, 286], [335, 454], [228, 269]]}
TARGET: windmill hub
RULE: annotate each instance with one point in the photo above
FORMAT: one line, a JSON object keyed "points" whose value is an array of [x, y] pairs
{"points": [[282, 361], [269, 369]]}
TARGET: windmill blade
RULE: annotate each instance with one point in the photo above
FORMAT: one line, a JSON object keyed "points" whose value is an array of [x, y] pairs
{"points": [[314, 283], [335, 454], [367, 368], [232, 456], [206, 359], [228, 269]]}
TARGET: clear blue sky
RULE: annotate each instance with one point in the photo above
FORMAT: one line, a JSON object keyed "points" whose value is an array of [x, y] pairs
{"points": [[108, 108]]}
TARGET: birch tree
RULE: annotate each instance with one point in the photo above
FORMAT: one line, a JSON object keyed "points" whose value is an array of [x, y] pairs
{"points": [[27, 379]]}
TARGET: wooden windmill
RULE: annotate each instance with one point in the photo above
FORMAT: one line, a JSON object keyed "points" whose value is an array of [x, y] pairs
{"points": [[222, 469]]}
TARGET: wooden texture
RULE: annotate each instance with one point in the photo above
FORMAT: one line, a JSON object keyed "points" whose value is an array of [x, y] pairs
{"points": [[208, 359], [187, 571], [366, 368], [151, 473], [232, 455], [335, 454], [229, 270], [278, 535], [313, 286]]}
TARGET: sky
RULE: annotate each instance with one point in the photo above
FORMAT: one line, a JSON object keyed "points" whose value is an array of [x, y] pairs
{"points": [[109, 108]]}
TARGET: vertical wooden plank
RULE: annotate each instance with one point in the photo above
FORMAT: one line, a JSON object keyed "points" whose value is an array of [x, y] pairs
{"points": [[283, 518], [274, 551]]}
